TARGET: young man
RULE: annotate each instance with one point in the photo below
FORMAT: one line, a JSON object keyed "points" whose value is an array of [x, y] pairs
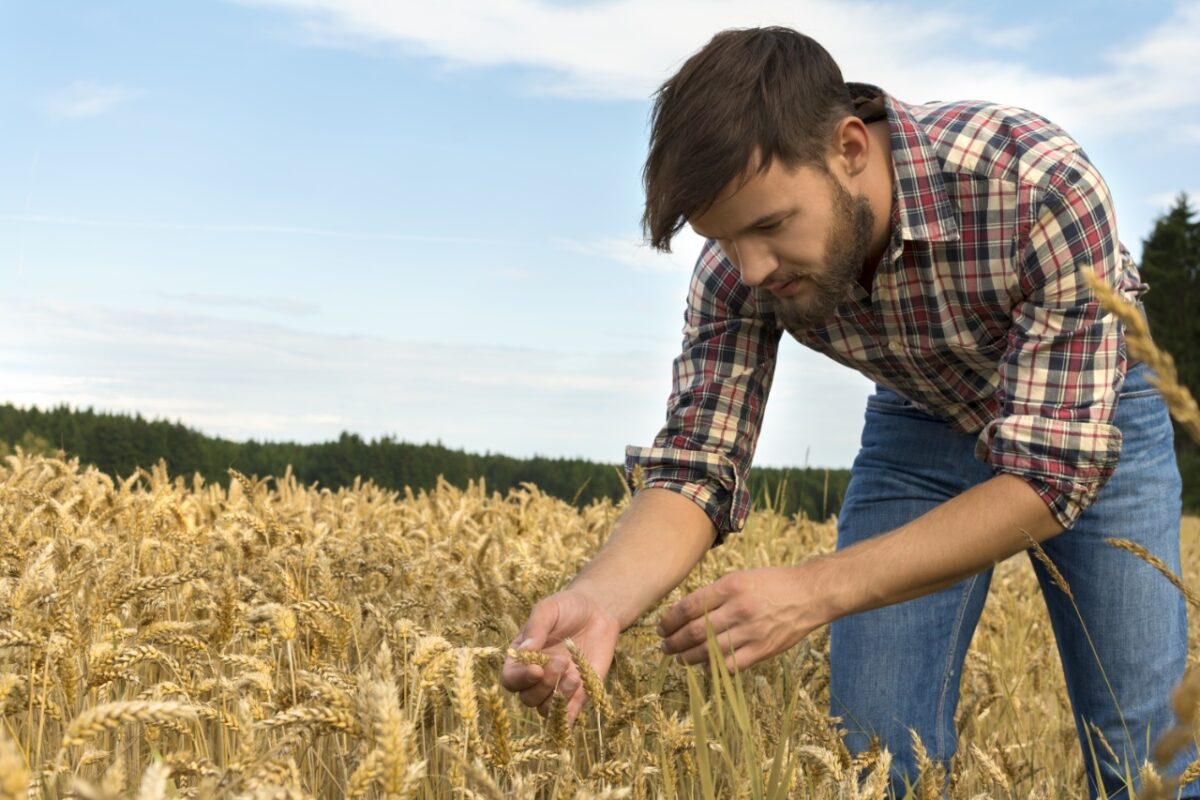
{"points": [[937, 249]]}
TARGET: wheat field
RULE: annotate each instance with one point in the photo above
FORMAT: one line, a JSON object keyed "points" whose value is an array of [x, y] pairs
{"points": [[165, 638]]}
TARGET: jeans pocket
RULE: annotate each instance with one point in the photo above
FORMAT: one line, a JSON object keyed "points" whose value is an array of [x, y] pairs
{"points": [[1137, 383], [1136, 393]]}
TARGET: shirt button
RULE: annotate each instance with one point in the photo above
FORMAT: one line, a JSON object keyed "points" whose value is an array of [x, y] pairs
{"points": [[894, 346]]}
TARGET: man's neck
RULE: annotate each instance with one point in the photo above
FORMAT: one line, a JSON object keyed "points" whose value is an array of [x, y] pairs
{"points": [[879, 193]]}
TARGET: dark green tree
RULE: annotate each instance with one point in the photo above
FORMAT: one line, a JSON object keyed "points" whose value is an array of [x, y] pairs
{"points": [[1171, 266]]}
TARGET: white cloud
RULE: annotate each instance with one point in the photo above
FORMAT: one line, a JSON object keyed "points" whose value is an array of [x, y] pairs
{"points": [[618, 48], [87, 99], [626, 48]]}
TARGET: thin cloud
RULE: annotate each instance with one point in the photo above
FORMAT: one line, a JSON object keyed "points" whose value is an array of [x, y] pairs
{"points": [[244, 379], [87, 99], [285, 230], [1015, 37], [1164, 201], [635, 253], [273, 305], [514, 273], [632, 251]]}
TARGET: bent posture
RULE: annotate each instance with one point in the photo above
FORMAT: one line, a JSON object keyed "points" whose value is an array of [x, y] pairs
{"points": [[939, 250]]}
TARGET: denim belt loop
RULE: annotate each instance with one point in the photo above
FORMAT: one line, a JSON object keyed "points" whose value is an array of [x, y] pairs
{"points": [[1133, 361]]}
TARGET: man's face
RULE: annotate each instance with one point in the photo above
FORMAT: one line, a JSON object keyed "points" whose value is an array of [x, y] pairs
{"points": [[796, 232]]}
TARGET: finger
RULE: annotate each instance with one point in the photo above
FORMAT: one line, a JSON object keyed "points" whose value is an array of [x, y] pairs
{"points": [[694, 633], [560, 676], [694, 605], [537, 628], [517, 677], [727, 642], [568, 687], [536, 697], [575, 706], [743, 658]]}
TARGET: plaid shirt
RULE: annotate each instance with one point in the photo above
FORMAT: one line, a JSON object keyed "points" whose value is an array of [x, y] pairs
{"points": [[977, 314]]}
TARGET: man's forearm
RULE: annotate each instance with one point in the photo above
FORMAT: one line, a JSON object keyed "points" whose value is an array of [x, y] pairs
{"points": [[959, 538], [653, 546]]}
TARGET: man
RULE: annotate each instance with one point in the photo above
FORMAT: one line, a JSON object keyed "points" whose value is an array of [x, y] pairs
{"points": [[937, 249]]}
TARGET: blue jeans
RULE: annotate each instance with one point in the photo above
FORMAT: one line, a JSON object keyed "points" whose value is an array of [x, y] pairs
{"points": [[899, 667]]}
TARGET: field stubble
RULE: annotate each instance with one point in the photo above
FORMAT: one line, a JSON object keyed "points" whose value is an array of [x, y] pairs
{"points": [[172, 638]]}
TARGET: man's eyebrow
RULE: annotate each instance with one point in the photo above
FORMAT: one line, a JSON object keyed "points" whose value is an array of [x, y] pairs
{"points": [[763, 220]]}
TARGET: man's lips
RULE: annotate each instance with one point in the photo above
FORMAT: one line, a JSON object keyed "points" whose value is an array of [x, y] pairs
{"points": [[786, 289]]}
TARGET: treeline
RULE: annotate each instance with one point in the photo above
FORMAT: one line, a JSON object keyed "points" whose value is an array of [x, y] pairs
{"points": [[1171, 267], [118, 444]]}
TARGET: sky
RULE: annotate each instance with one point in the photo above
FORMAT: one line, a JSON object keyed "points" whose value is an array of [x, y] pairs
{"points": [[284, 219]]}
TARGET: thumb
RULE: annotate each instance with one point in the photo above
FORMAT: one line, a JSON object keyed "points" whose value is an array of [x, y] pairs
{"points": [[537, 629]]}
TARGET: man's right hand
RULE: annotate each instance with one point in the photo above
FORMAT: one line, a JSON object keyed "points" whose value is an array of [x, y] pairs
{"points": [[569, 614]]}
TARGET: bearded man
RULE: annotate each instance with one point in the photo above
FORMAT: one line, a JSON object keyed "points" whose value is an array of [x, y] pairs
{"points": [[939, 250]]}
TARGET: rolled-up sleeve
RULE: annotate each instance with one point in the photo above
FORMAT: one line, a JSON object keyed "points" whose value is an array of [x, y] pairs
{"points": [[720, 382], [1064, 361]]}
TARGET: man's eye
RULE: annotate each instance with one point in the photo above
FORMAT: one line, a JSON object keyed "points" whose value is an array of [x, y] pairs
{"points": [[770, 226]]}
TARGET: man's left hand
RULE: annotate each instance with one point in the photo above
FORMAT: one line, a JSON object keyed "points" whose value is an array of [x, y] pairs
{"points": [[755, 614]]}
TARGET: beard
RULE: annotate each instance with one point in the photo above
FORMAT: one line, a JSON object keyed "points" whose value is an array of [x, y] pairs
{"points": [[846, 245]]}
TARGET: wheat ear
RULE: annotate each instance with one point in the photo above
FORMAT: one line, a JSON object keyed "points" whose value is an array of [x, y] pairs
{"points": [[592, 683], [1137, 339]]}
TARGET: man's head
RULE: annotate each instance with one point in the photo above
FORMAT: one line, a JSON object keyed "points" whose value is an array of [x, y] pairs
{"points": [[754, 143]]}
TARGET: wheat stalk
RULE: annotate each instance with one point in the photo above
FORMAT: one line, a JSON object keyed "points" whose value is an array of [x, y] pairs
{"points": [[1156, 562]]}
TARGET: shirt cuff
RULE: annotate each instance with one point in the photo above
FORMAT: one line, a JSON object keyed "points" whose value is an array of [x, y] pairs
{"points": [[707, 479], [1067, 463]]}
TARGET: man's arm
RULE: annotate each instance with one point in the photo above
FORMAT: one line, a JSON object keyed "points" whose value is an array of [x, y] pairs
{"points": [[719, 388], [759, 613], [962, 536], [652, 548]]}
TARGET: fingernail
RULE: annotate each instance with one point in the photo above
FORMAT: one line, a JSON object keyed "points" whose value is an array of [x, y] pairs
{"points": [[663, 645], [524, 644], [569, 687], [661, 630]]}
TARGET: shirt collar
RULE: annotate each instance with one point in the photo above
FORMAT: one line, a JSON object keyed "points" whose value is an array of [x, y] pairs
{"points": [[923, 206]]}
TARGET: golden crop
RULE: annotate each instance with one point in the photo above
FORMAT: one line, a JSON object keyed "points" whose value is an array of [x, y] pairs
{"points": [[171, 638]]}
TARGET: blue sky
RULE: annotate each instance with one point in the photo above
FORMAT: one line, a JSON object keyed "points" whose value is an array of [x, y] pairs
{"points": [[288, 218]]}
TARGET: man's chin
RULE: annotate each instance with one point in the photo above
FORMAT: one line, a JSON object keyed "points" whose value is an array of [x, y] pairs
{"points": [[802, 315]]}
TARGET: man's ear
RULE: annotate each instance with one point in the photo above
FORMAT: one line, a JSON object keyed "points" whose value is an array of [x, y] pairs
{"points": [[850, 146]]}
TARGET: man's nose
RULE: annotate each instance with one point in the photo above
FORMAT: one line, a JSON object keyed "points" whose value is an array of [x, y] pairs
{"points": [[755, 261]]}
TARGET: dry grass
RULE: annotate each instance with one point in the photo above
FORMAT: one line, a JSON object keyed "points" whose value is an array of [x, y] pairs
{"points": [[169, 638]]}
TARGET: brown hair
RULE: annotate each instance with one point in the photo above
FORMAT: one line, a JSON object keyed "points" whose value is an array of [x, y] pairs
{"points": [[773, 90]]}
